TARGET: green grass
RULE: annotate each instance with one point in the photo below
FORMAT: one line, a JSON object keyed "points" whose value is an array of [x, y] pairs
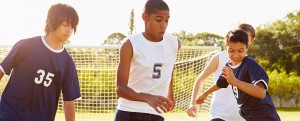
{"points": [[289, 114], [286, 114]]}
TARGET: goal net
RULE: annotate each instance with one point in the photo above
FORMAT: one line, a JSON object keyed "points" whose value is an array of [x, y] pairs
{"points": [[96, 67]]}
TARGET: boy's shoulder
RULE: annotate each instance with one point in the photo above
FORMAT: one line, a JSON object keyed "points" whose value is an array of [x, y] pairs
{"points": [[222, 53], [134, 36], [251, 62], [166, 35], [169, 35], [30, 40]]}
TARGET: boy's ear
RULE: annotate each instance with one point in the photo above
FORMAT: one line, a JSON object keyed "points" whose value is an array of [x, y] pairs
{"points": [[247, 48], [145, 16], [251, 41]]}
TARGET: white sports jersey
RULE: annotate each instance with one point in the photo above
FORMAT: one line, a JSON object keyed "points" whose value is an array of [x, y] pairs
{"points": [[150, 70], [223, 102]]}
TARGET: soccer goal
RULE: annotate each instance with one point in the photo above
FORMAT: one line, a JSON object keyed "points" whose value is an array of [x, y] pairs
{"points": [[96, 67]]}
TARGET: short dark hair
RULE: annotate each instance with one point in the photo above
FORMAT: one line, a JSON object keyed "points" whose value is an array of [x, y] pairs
{"points": [[153, 6], [237, 35], [57, 14]]}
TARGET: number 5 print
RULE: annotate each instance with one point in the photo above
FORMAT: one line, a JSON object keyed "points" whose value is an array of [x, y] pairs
{"points": [[156, 71]]}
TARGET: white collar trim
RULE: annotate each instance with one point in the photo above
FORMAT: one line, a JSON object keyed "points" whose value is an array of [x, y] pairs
{"points": [[235, 66], [50, 48]]}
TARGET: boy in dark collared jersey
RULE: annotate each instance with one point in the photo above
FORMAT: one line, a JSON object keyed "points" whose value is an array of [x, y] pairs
{"points": [[42, 69], [248, 79]]}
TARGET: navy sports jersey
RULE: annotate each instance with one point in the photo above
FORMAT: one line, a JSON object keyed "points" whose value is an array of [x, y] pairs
{"points": [[251, 108], [39, 74]]}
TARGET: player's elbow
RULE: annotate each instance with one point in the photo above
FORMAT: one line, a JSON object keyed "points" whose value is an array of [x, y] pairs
{"points": [[262, 95], [119, 90]]}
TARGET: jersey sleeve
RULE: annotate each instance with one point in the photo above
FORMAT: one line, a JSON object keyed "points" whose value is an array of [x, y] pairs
{"points": [[257, 74], [70, 85], [16, 55], [222, 82]]}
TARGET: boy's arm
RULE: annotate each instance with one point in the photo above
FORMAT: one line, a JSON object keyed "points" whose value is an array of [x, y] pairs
{"points": [[211, 67], [208, 70], [126, 53], [69, 109], [1, 75], [170, 94], [257, 90], [200, 99], [179, 44]]}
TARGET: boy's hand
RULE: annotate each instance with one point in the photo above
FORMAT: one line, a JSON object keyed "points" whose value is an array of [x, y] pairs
{"points": [[172, 105], [192, 110], [160, 103], [228, 75], [200, 99]]}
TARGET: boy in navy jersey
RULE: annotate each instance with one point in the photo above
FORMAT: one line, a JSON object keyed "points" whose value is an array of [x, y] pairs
{"points": [[145, 71], [248, 79], [220, 109], [41, 69]]}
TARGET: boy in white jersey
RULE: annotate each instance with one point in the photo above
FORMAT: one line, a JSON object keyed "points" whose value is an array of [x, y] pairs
{"points": [[145, 71], [223, 104]]}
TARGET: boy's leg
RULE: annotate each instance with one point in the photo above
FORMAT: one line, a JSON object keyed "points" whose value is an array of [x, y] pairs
{"points": [[2, 119], [217, 119], [158, 118], [147, 117], [135, 116]]}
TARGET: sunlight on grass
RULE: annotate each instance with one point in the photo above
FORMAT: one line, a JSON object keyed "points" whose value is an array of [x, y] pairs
{"points": [[285, 115], [110, 117]]}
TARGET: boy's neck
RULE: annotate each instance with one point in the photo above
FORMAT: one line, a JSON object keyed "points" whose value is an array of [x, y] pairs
{"points": [[231, 63], [53, 42], [151, 38]]}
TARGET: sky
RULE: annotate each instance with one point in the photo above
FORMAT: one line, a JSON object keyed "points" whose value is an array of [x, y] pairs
{"points": [[98, 19]]}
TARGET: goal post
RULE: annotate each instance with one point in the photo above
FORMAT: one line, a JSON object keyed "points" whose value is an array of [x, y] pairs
{"points": [[97, 67]]}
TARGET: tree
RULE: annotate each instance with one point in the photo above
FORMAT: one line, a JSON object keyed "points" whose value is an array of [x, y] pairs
{"points": [[294, 90], [266, 49], [297, 63], [278, 86], [185, 38], [199, 39], [114, 39], [279, 43], [131, 22], [209, 39]]}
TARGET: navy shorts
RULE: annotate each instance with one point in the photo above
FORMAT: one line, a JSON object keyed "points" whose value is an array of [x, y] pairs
{"points": [[135, 116], [2, 119], [260, 115], [217, 119]]}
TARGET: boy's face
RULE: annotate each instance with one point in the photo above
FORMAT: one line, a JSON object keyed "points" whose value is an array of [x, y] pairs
{"points": [[63, 32], [156, 24], [236, 52]]}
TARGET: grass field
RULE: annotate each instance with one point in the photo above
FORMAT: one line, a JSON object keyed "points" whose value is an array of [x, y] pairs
{"points": [[286, 114]]}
